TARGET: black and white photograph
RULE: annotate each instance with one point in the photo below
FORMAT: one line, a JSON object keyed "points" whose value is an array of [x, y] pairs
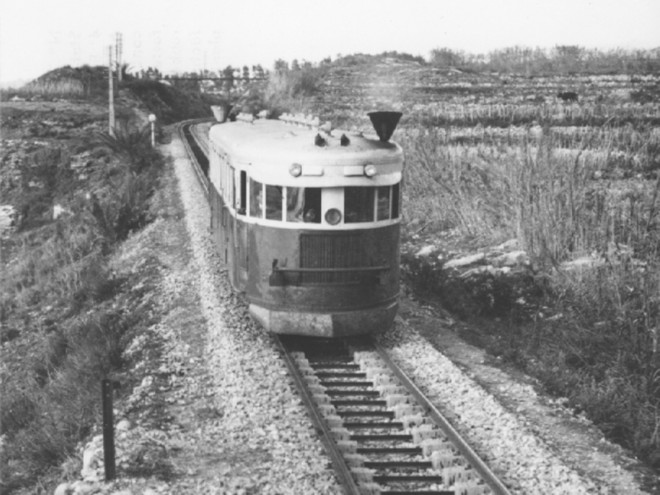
{"points": [[353, 247]]}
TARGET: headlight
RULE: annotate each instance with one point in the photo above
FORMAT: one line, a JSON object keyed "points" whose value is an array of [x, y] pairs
{"points": [[295, 169], [333, 216], [369, 170]]}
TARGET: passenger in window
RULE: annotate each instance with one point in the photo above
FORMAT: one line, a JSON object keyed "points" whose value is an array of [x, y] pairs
{"points": [[310, 216], [295, 203]]}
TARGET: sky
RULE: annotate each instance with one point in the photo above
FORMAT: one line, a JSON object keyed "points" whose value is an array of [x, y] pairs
{"points": [[175, 36]]}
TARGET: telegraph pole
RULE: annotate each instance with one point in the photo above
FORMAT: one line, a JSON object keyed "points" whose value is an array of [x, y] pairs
{"points": [[111, 95], [119, 46]]}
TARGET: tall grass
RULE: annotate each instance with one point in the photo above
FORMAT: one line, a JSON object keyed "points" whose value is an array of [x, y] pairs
{"points": [[601, 349], [558, 202]]}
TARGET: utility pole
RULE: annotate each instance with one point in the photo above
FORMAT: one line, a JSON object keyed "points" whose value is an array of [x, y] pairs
{"points": [[111, 95], [118, 55]]}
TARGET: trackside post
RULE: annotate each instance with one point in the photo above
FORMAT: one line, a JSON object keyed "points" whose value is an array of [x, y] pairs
{"points": [[108, 430]]}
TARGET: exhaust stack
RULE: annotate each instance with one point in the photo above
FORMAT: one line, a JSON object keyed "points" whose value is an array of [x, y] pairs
{"points": [[384, 123]]}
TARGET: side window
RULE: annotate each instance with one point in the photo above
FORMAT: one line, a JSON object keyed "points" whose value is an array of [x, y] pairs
{"points": [[383, 203], [232, 187], [274, 202], [395, 201], [242, 197], [358, 204], [312, 206], [295, 202], [256, 199], [303, 204]]}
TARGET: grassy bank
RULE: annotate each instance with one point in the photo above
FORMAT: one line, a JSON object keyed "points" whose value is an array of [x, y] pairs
{"points": [[65, 315]]}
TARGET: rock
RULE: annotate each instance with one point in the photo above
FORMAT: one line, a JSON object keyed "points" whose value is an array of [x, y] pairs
{"points": [[425, 251], [513, 258], [84, 488], [123, 425], [63, 489], [465, 260], [93, 460], [510, 245], [59, 210], [582, 263], [7, 217]]}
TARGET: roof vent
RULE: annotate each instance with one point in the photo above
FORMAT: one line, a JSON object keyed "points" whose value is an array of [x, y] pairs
{"points": [[384, 123]]}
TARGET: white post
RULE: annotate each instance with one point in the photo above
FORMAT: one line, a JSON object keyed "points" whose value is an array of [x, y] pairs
{"points": [[119, 49], [111, 95], [152, 121]]}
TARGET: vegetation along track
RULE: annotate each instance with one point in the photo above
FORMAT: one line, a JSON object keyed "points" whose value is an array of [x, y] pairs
{"points": [[382, 433]]}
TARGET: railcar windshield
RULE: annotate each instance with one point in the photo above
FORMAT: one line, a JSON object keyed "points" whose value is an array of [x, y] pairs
{"points": [[359, 204], [303, 204]]}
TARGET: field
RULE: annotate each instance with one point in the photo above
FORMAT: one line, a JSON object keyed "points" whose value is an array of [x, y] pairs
{"points": [[574, 182]]}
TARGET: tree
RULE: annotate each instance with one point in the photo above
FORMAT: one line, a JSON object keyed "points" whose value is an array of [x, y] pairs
{"points": [[228, 83], [281, 65], [445, 57]]}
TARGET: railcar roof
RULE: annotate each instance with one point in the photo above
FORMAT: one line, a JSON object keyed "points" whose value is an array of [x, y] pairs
{"points": [[274, 141]]}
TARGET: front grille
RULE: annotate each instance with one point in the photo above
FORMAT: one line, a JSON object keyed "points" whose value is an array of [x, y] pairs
{"points": [[332, 251]]}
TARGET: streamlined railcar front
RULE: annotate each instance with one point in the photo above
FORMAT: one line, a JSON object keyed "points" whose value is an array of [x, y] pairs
{"points": [[308, 221]]}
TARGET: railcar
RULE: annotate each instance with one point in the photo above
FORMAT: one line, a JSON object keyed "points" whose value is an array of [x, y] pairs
{"points": [[307, 220]]}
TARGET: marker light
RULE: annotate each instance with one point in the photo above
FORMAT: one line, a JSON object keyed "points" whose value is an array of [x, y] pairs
{"points": [[295, 169], [369, 170], [333, 216]]}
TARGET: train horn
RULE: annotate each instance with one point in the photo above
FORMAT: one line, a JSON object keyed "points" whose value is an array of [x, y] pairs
{"points": [[384, 123]]}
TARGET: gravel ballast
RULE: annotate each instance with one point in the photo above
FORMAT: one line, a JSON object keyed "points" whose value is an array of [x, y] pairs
{"points": [[524, 462]]}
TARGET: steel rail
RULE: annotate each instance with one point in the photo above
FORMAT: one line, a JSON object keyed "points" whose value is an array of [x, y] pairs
{"points": [[322, 428], [477, 463], [183, 133]]}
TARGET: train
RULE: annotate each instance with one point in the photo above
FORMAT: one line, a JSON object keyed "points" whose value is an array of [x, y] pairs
{"points": [[307, 221]]}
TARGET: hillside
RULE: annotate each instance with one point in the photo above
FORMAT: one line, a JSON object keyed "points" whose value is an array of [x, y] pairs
{"points": [[68, 301]]}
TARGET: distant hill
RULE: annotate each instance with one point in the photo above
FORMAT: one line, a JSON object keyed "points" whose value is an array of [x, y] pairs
{"points": [[169, 103]]}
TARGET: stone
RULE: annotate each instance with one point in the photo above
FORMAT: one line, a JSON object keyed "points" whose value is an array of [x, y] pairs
{"points": [[425, 251], [465, 260], [513, 258], [63, 489]]}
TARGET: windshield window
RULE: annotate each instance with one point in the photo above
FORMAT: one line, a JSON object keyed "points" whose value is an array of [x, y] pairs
{"points": [[303, 204], [358, 204]]}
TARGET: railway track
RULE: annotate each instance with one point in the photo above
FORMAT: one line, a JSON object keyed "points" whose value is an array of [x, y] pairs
{"points": [[383, 435], [381, 432], [196, 148]]}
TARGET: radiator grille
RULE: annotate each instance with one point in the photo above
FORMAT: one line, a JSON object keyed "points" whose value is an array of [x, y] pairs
{"points": [[332, 251]]}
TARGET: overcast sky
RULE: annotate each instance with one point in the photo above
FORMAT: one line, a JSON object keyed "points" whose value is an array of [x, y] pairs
{"points": [[184, 35]]}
